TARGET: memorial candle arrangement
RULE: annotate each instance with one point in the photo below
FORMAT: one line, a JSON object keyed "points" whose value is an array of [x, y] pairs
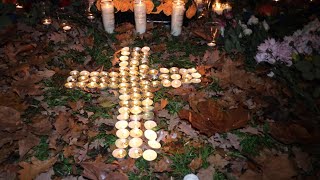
{"points": [[140, 16], [107, 11], [177, 17], [135, 79], [220, 7]]}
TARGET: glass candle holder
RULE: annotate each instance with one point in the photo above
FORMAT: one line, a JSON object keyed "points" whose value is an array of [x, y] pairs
{"points": [[135, 153], [134, 124], [135, 142], [119, 153], [121, 143], [107, 13], [122, 133], [136, 133], [84, 73]]}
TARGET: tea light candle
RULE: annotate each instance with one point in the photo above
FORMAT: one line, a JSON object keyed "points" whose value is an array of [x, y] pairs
{"points": [[123, 117], [124, 79], [124, 97], [135, 133], [135, 103], [174, 70], [94, 73], [124, 91], [147, 102], [135, 96], [148, 95], [124, 73], [70, 85], [103, 85], [84, 73], [124, 110], [218, 8], [46, 21], [192, 70], [113, 79], [145, 49], [92, 85], [164, 76], [71, 79], [137, 49], [148, 116], [94, 79], [175, 76], [154, 144], [124, 58], [187, 76], [123, 69], [135, 89], [125, 49], [134, 84], [135, 153], [145, 87], [147, 108], [176, 83], [183, 71], [121, 143], [136, 110], [196, 81], [124, 103], [107, 12], [124, 85], [113, 74], [74, 73], [133, 73], [90, 16], [103, 73], [122, 133], [123, 64], [119, 153], [113, 85], [83, 78], [121, 124], [196, 75], [81, 84], [66, 27], [150, 124], [164, 70], [135, 117], [155, 84], [134, 124], [149, 155], [186, 81], [104, 79], [150, 134], [125, 53], [166, 83], [135, 142], [145, 82]]}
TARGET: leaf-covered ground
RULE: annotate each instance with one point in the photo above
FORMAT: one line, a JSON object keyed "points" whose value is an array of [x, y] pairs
{"points": [[234, 125]]}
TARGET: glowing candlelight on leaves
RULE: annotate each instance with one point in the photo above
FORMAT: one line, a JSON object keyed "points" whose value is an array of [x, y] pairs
{"points": [[121, 124], [123, 117], [122, 143], [119, 153], [136, 133], [136, 110], [135, 142], [150, 134], [135, 153], [149, 155], [134, 124], [154, 144], [70, 85], [122, 133], [150, 124]]}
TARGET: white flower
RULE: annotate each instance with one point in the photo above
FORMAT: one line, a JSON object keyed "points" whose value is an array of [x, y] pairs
{"points": [[265, 25], [253, 20], [222, 31], [240, 35], [270, 74], [247, 32]]}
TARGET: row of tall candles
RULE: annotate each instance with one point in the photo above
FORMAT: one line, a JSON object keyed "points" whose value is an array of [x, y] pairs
{"points": [[134, 81], [140, 16]]}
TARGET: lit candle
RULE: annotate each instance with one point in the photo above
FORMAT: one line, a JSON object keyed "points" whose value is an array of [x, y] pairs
{"points": [[135, 133], [134, 62], [135, 96], [183, 71], [74, 73], [155, 84], [46, 21], [148, 116], [124, 97], [124, 103], [71, 79], [149, 155], [70, 85], [187, 76], [124, 58], [107, 12], [145, 49], [164, 70], [66, 27], [166, 83], [140, 16], [83, 78], [192, 70], [176, 83], [135, 142], [121, 143], [134, 124], [119, 153], [135, 89], [135, 117], [124, 73], [148, 95], [177, 17], [196, 81], [121, 124], [81, 84], [92, 85], [125, 49], [124, 85], [94, 79], [150, 124], [125, 53], [135, 103], [136, 110], [147, 102], [135, 153], [154, 144], [164, 76], [122, 133], [113, 85], [174, 70], [218, 8], [123, 64], [196, 75], [124, 110], [123, 117], [150, 134], [94, 73], [103, 73], [103, 85], [113, 74], [84, 73], [104, 79], [175, 76], [147, 108]]}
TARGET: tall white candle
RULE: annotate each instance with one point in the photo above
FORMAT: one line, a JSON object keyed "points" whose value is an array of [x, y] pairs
{"points": [[140, 16], [107, 11], [177, 17]]}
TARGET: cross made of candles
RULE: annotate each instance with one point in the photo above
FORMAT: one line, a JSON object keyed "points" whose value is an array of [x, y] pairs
{"points": [[134, 80]]}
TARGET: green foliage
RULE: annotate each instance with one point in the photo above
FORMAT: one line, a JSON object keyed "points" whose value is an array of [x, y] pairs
{"points": [[64, 166], [219, 176], [98, 112], [5, 10], [251, 144], [109, 139], [42, 150], [76, 56], [174, 106]]}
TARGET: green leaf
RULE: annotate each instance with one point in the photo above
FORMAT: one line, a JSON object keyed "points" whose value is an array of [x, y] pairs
{"points": [[308, 76], [304, 66], [228, 45]]}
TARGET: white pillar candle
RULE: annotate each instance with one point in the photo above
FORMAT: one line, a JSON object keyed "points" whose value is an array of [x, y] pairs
{"points": [[119, 153], [122, 133], [177, 17], [154, 144], [149, 155], [121, 143], [107, 11], [135, 142], [140, 16], [135, 153], [121, 124], [150, 134]]}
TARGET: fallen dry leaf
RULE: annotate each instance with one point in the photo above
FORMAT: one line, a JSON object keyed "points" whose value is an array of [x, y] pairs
{"points": [[206, 174], [217, 161], [40, 125], [27, 143], [278, 167], [62, 123], [163, 165], [31, 170], [195, 164], [9, 119], [97, 170], [127, 165], [46, 175], [302, 159]]}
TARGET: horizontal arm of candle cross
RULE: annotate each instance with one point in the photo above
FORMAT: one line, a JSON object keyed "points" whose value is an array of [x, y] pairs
{"points": [[134, 81]]}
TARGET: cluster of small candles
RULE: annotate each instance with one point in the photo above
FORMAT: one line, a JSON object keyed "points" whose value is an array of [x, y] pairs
{"points": [[220, 7], [135, 81]]}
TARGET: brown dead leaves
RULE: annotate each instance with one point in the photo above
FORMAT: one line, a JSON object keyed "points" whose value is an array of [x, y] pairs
{"points": [[30, 170], [212, 119], [98, 170]]}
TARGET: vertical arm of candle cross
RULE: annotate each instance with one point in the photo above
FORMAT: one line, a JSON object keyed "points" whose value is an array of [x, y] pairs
{"points": [[134, 81]]}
